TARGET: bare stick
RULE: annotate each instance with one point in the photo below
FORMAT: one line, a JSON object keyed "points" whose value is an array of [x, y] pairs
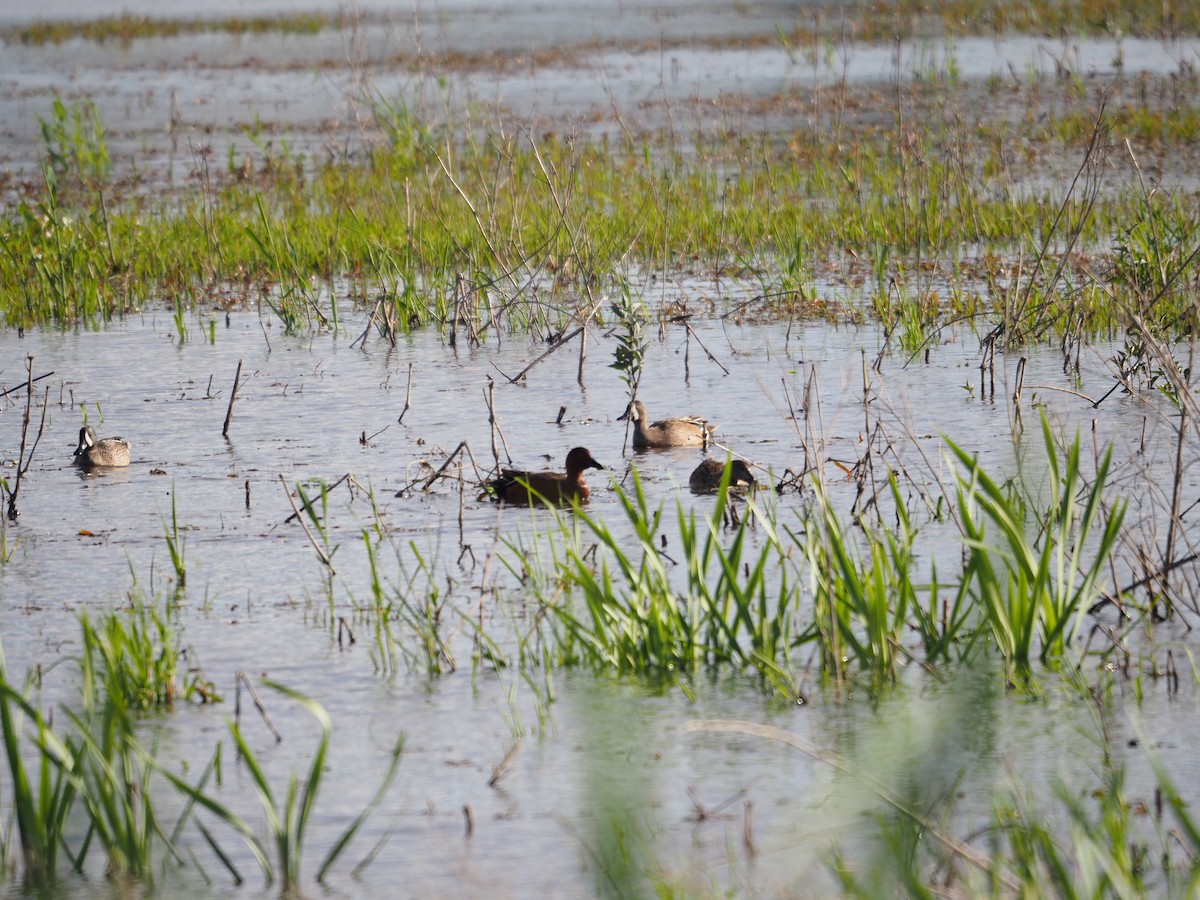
{"points": [[240, 679], [582, 357], [407, 396], [707, 352], [327, 490], [12, 496], [311, 537], [25, 383], [557, 345], [491, 405], [237, 379], [501, 768]]}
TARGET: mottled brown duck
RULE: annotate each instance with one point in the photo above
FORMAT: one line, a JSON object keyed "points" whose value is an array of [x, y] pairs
{"points": [[91, 453], [682, 431]]}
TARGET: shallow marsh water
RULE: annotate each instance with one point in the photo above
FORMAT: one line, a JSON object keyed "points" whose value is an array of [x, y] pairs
{"points": [[176, 107], [256, 598]]}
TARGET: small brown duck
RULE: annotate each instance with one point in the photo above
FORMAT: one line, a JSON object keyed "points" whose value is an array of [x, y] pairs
{"points": [[707, 477], [109, 452], [684, 431], [536, 488]]}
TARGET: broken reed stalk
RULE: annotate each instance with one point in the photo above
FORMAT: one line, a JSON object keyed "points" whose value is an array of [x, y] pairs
{"points": [[1016, 397], [707, 352], [869, 458], [462, 313], [462, 447], [237, 379], [462, 540], [582, 357], [381, 317], [407, 396], [243, 679], [557, 345], [308, 531], [23, 462], [502, 768], [490, 397], [1175, 522], [23, 384], [327, 490]]}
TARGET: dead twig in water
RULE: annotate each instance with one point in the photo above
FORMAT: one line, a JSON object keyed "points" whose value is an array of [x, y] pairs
{"points": [[407, 396], [501, 768], [308, 531], [554, 347], [13, 390], [237, 380], [23, 461], [461, 448], [243, 679], [489, 396], [691, 333], [381, 316], [308, 507]]}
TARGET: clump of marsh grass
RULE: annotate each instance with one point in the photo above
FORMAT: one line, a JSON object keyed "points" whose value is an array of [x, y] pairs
{"points": [[717, 608], [100, 765], [75, 145], [1034, 585], [135, 658], [864, 608]]}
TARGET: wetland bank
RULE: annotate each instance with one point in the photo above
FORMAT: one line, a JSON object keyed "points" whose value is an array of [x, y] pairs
{"points": [[935, 283]]}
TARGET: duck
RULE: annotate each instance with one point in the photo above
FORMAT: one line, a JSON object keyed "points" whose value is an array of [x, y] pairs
{"points": [[535, 488], [111, 451], [684, 431], [706, 479]]}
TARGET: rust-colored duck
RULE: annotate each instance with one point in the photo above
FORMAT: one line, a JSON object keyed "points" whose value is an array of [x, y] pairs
{"points": [[683, 431], [92, 453], [536, 488]]}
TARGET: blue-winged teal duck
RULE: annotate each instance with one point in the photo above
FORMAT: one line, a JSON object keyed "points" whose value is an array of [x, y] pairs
{"points": [[707, 477], [109, 452], [685, 431], [535, 488]]}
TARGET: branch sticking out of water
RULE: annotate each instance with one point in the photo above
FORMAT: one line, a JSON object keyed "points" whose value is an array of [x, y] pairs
{"points": [[24, 462], [325, 557], [237, 379], [243, 679]]}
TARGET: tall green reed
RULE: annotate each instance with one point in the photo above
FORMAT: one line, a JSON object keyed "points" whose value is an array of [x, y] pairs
{"points": [[862, 609], [1034, 585], [726, 603], [75, 144], [42, 793], [176, 540]]}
